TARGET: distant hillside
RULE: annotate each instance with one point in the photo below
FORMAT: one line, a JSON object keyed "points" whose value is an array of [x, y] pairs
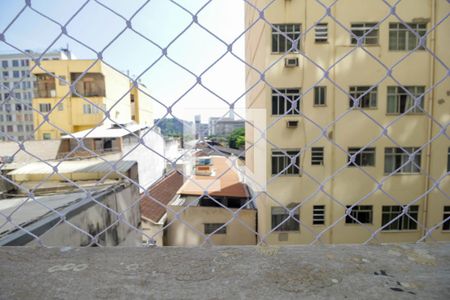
{"points": [[171, 127]]}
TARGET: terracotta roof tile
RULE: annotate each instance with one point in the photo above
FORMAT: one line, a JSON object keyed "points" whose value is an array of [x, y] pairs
{"points": [[225, 182], [162, 191]]}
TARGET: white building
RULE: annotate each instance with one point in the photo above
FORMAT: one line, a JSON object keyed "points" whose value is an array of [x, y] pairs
{"points": [[16, 92]]}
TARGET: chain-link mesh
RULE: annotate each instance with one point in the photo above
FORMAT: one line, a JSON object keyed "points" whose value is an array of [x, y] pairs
{"points": [[388, 186]]}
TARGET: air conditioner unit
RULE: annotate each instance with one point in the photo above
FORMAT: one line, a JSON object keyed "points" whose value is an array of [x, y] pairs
{"points": [[52, 93], [292, 124], [291, 62]]}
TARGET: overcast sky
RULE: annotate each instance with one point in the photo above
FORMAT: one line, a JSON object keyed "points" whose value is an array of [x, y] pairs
{"points": [[161, 21]]}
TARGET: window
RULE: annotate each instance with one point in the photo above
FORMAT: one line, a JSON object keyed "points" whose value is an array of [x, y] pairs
{"points": [[362, 29], [318, 214], [285, 164], [401, 38], [281, 215], [369, 100], [280, 43], [29, 127], [359, 214], [18, 107], [1, 118], [4, 63], [446, 218], [399, 101], [46, 136], [405, 222], [321, 32], [9, 118], [320, 95], [317, 156], [20, 128], [286, 101], [448, 159], [5, 74], [131, 98], [90, 85], [397, 160], [15, 63], [9, 128], [89, 109], [45, 86], [24, 63], [212, 227], [363, 158], [45, 107], [16, 74], [18, 96]]}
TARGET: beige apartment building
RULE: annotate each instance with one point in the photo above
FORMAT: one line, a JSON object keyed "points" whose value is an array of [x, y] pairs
{"points": [[347, 169]]}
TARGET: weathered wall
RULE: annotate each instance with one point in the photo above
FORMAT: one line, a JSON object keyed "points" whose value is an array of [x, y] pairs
{"points": [[97, 219], [179, 234]]}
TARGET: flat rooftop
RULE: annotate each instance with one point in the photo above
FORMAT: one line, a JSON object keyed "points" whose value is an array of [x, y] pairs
{"points": [[223, 182], [402, 271]]}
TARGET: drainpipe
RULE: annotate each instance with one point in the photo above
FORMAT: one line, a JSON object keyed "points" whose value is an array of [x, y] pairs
{"points": [[333, 127], [432, 81]]}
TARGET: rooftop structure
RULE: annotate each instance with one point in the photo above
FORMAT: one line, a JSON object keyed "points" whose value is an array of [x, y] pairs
{"points": [[214, 203], [81, 195]]}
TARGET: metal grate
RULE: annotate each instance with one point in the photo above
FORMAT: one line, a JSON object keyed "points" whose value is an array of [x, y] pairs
{"points": [[411, 99]]}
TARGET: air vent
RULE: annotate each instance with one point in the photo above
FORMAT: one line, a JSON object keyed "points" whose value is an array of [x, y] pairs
{"points": [[291, 62], [292, 124]]}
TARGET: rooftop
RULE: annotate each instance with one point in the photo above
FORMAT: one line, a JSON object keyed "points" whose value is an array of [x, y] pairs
{"points": [[407, 271], [163, 191], [224, 181], [106, 131], [32, 151]]}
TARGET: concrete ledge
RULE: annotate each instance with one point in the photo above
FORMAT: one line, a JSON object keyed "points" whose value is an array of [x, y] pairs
{"points": [[418, 271]]}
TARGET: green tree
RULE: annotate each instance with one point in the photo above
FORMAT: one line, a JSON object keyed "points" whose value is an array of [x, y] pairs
{"points": [[236, 139]]}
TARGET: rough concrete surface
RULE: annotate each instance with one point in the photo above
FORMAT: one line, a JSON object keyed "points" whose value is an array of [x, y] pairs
{"points": [[418, 271]]}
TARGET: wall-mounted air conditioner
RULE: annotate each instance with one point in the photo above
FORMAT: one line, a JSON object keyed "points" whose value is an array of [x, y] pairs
{"points": [[291, 62], [291, 124]]}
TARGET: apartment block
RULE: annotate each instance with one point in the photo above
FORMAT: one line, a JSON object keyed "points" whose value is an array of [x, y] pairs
{"points": [[16, 92], [97, 88], [354, 104]]}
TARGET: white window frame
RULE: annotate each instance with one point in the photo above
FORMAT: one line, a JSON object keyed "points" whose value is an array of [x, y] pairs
{"points": [[411, 40], [363, 156], [395, 154], [280, 44], [284, 99], [399, 101], [360, 29], [368, 101], [279, 212], [358, 210], [284, 166], [404, 222], [320, 96]]}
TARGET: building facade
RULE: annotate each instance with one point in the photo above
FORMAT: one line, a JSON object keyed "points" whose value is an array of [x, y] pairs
{"points": [[225, 126], [354, 121], [98, 90], [16, 92]]}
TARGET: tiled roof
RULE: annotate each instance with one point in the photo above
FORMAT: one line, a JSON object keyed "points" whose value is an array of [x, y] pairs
{"points": [[224, 182], [163, 191]]}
